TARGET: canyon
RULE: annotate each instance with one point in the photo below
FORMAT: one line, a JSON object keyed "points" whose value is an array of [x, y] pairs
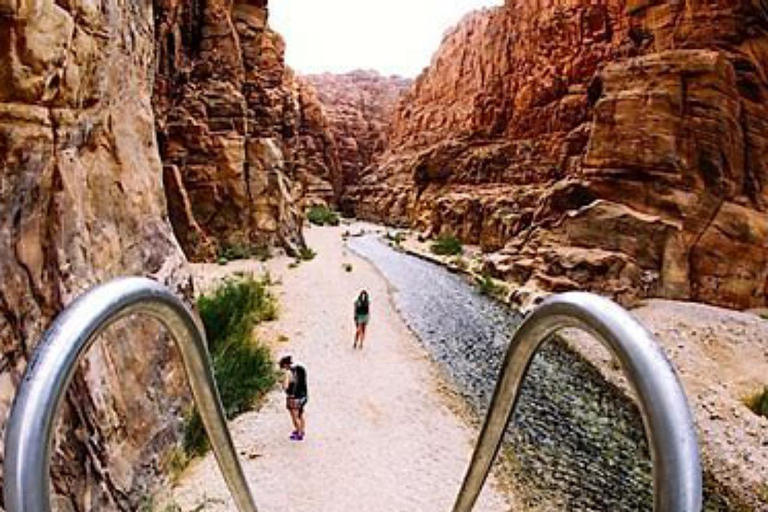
{"points": [[617, 146], [359, 107], [135, 138], [247, 144], [614, 146]]}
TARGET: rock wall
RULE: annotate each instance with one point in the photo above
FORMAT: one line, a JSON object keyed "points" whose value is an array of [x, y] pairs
{"points": [[316, 158], [245, 144], [81, 202], [619, 146], [359, 107]]}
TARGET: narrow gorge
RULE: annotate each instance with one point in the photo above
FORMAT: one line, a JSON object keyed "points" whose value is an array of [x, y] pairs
{"points": [[247, 144], [135, 138], [612, 146]]}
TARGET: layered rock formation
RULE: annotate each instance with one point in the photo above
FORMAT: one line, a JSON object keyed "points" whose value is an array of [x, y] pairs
{"points": [[615, 146], [359, 107], [225, 110], [81, 202], [316, 160], [246, 145]]}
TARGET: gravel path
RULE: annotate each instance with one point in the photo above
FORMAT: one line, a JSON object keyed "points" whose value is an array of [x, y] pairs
{"points": [[383, 432]]}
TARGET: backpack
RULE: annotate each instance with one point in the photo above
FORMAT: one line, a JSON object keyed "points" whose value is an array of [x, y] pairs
{"points": [[300, 383]]}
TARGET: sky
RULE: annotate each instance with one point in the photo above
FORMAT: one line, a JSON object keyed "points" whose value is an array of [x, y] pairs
{"points": [[390, 36]]}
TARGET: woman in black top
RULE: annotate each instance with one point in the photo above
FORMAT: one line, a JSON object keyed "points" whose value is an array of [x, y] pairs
{"points": [[296, 396], [362, 315]]}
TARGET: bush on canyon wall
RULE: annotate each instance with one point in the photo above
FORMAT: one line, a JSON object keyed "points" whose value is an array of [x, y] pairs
{"points": [[323, 216], [242, 366], [759, 403], [447, 245]]}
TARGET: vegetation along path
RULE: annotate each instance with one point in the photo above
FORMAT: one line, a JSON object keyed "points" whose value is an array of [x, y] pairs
{"points": [[381, 433]]}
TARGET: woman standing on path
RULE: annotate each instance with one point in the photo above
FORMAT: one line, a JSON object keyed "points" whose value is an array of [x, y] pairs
{"points": [[296, 396], [362, 315]]}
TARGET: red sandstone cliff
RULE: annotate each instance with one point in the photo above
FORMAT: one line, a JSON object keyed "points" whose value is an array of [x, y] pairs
{"points": [[81, 202], [615, 146], [316, 158], [225, 112], [359, 107], [245, 145]]}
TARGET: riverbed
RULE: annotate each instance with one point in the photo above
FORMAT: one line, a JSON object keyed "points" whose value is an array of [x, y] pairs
{"points": [[575, 442]]}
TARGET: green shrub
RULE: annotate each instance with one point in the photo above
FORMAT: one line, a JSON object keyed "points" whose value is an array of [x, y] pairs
{"points": [[234, 308], [487, 286], [759, 402], [222, 260], [242, 367], [244, 252], [323, 216], [148, 504], [175, 462], [306, 254], [447, 245], [236, 252]]}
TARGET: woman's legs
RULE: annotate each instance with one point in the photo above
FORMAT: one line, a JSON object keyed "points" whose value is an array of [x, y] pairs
{"points": [[296, 420], [301, 423], [362, 333], [297, 417], [358, 335]]}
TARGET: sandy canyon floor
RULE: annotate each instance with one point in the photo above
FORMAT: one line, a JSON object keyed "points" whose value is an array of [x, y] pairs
{"points": [[383, 432]]}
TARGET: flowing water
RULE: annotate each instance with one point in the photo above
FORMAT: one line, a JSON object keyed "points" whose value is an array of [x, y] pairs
{"points": [[574, 443]]}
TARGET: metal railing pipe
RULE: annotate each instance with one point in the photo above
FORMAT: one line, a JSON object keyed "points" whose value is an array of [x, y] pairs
{"points": [[30, 427], [666, 416]]}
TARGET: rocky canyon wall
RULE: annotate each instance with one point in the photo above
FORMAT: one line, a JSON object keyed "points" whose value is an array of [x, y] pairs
{"points": [[228, 119], [246, 144], [81, 202], [618, 146], [359, 107]]}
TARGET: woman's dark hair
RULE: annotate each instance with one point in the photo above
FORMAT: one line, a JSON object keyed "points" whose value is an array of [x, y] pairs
{"points": [[286, 361], [364, 296]]}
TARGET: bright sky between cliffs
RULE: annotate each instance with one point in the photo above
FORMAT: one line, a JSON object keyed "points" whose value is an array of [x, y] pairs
{"points": [[389, 36]]}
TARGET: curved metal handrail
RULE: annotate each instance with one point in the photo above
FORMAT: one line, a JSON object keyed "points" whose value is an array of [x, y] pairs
{"points": [[30, 426], [666, 416]]}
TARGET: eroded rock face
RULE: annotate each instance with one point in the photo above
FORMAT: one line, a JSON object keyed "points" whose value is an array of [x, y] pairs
{"points": [[614, 146], [316, 160], [359, 107], [81, 202], [227, 117]]}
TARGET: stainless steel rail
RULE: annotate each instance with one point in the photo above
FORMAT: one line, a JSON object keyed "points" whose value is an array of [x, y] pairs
{"points": [[31, 423], [666, 416]]}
